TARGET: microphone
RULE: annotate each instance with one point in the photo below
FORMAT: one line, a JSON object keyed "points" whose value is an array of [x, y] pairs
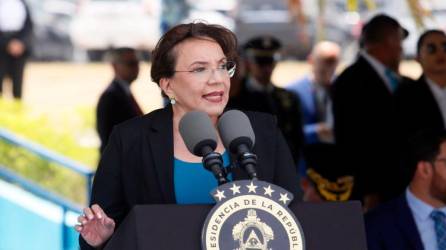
{"points": [[237, 136], [201, 140]]}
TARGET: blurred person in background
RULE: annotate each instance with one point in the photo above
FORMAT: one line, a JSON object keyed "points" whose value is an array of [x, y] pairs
{"points": [[147, 161], [417, 218], [117, 103], [16, 30], [364, 110], [172, 13], [326, 178], [314, 92], [422, 104], [240, 76], [258, 93]]}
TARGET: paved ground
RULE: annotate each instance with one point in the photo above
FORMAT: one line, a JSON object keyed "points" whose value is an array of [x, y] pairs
{"points": [[53, 87]]}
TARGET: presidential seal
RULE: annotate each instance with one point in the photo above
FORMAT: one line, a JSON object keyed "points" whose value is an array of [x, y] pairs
{"points": [[251, 215]]}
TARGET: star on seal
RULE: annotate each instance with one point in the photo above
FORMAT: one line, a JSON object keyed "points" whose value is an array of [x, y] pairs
{"points": [[235, 189], [284, 198], [220, 195], [252, 188], [268, 190]]}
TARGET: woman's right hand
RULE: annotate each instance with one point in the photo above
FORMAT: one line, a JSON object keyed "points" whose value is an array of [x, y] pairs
{"points": [[95, 226]]}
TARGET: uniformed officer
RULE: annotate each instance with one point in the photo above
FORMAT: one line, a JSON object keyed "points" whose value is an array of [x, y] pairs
{"points": [[326, 178], [258, 93]]}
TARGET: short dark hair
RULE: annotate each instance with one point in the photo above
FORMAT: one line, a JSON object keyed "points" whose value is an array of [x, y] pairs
{"points": [[425, 35], [378, 28], [116, 53], [164, 58], [424, 146]]}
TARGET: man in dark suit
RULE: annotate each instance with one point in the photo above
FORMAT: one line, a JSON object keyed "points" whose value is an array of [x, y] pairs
{"points": [[415, 220], [117, 103], [15, 42], [422, 105], [364, 112], [258, 93]]}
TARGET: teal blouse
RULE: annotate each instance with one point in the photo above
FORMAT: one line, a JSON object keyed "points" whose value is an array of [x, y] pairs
{"points": [[193, 183]]}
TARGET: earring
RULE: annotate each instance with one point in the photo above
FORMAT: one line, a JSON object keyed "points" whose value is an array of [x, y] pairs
{"points": [[172, 100]]}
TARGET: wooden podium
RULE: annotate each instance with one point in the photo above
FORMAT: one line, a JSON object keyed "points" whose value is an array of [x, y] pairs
{"points": [[326, 226]]}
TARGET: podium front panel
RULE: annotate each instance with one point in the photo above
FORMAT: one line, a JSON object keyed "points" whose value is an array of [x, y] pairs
{"points": [[329, 225]]}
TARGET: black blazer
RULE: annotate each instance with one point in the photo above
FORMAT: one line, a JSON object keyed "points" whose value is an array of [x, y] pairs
{"points": [[114, 107], [365, 127], [417, 108], [392, 227], [138, 163], [284, 104]]}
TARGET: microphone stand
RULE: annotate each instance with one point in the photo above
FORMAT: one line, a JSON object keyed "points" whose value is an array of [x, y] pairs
{"points": [[214, 162], [248, 161]]}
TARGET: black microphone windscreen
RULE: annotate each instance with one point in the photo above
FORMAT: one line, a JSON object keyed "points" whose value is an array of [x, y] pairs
{"points": [[197, 131], [235, 129]]}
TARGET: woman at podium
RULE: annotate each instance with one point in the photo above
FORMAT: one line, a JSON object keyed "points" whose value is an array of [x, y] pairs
{"points": [[146, 160]]}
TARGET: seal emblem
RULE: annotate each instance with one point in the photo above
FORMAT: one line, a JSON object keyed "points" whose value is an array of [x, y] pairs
{"points": [[251, 215]]}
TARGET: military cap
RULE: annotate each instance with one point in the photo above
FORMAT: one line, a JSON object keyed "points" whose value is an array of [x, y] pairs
{"points": [[331, 178], [263, 49], [372, 30]]}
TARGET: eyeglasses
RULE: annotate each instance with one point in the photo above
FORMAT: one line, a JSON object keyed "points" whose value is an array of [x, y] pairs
{"points": [[226, 69], [432, 48]]}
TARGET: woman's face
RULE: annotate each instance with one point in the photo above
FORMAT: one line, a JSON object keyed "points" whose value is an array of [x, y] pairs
{"points": [[201, 81], [432, 55]]}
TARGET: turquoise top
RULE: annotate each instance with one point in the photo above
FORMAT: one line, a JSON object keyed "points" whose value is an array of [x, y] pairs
{"points": [[193, 183]]}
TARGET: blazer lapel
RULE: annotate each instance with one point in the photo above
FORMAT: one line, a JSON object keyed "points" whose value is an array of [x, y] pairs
{"points": [[370, 75], [407, 224], [430, 101], [160, 138]]}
